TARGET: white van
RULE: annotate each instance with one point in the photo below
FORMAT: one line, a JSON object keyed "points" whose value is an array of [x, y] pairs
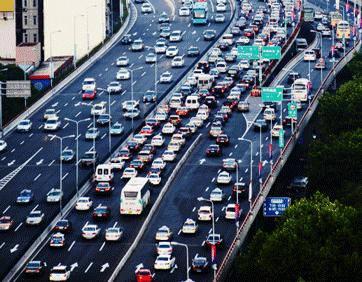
{"points": [[104, 173], [301, 88], [228, 38], [192, 102], [205, 81]]}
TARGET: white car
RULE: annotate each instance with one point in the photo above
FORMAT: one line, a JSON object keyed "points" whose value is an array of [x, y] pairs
{"points": [[166, 77], [217, 195], [160, 48], [3, 145], [269, 114], [130, 104], [326, 32], [139, 138], [174, 146], [83, 204], [113, 234], [99, 109], [114, 87], [230, 212], [175, 36], [169, 156], [197, 121], [57, 240], [54, 195], [168, 128], [309, 55], [244, 64], [24, 125], [150, 58], [161, 116], [157, 141], [50, 113], [129, 172], [34, 218], [137, 45], [204, 213], [220, 7], [117, 163], [52, 124], [276, 129], [243, 40], [189, 227], [164, 262], [146, 8], [320, 27], [184, 11], [171, 51], [178, 138], [154, 179], [178, 62], [123, 74], [158, 163], [224, 178], [89, 84], [59, 273], [164, 248], [202, 115], [163, 234], [90, 231], [122, 61]]}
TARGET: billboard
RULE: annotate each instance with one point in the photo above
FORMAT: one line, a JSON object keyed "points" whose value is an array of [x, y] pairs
{"points": [[7, 6]]}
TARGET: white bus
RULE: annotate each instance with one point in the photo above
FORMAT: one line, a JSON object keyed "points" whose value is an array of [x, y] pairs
{"points": [[134, 196], [300, 89]]}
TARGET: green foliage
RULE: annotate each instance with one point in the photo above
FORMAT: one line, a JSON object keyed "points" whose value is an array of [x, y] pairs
{"points": [[354, 67]]}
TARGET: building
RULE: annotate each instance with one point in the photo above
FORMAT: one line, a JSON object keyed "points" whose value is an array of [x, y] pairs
{"points": [[7, 31]]}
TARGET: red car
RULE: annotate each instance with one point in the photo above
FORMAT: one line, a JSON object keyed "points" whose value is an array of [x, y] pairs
{"points": [[89, 94], [146, 130], [182, 111], [144, 275], [255, 92], [175, 119]]}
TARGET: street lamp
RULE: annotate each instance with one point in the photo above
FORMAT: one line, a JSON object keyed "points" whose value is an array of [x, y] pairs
{"points": [[51, 57], [61, 166], [109, 121], [1, 104], [77, 149], [75, 39], [156, 66], [132, 70], [94, 127], [251, 169], [93, 6], [187, 258]]}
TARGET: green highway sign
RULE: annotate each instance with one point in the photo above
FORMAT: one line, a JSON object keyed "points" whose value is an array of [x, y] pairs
{"points": [[248, 52], [281, 138], [271, 52], [272, 94], [292, 110]]}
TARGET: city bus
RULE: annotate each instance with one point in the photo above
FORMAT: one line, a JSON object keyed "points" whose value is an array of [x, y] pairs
{"points": [[199, 12], [301, 89], [343, 30], [135, 196], [334, 18]]}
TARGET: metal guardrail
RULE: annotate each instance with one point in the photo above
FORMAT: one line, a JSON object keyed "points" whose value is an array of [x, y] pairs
{"points": [[278, 165]]}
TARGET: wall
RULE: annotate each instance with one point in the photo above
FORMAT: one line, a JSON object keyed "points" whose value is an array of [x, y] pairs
{"points": [[55, 13], [7, 29]]}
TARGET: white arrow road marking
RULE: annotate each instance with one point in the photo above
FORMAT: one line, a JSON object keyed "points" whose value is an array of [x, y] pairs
{"points": [[202, 161], [11, 163], [40, 162], [74, 265], [174, 268], [54, 105], [104, 267], [89, 266], [14, 249]]}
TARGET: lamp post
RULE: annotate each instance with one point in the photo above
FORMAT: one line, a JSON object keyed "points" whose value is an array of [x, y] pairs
{"points": [[321, 37], [109, 121], [75, 39], [250, 169], [156, 70], [61, 167], [87, 9], [51, 56], [76, 122], [187, 258], [94, 127], [1, 104], [132, 70]]}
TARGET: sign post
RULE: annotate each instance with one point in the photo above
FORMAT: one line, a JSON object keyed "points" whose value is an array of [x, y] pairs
{"points": [[292, 113], [275, 206]]}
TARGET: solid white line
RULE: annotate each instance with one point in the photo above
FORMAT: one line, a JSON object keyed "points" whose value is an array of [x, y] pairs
{"points": [[17, 228], [89, 266], [5, 210], [71, 246], [37, 177], [101, 248]]}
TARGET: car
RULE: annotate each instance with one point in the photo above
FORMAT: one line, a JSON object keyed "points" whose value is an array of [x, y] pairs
{"points": [[114, 87], [52, 124], [164, 248], [320, 27], [175, 119], [260, 125], [269, 114], [63, 226], [239, 190], [57, 240], [215, 131], [67, 155], [129, 172], [83, 204], [213, 150], [292, 76], [184, 11], [6, 223], [190, 226], [59, 273], [164, 262], [89, 94], [309, 55], [122, 61], [101, 212], [220, 7], [125, 153], [160, 48], [168, 156], [35, 217], [103, 188], [165, 32], [104, 119], [172, 51], [113, 234], [117, 129], [117, 163], [35, 267], [147, 131], [154, 179], [158, 140], [214, 239], [89, 158], [137, 45], [209, 34], [26, 196], [235, 31], [158, 163], [193, 51], [166, 77], [54, 195], [149, 97], [133, 113], [146, 8], [130, 104], [133, 146], [168, 128], [163, 234], [299, 182], [25, 125], [255, 91], [204, 213], [276, 130], [243, 106], [177, 62], [143, 274], [90, 231], [173, 146], [199, 264], [176, 36], [163, 18], [229, 164], [217, 195], [230, 211], [326, 32], [123, 74], [222, 140], [150, 58], [99, 109], [126, 39], [89, 84], [219, 18], [50, 113], [223, 178]]}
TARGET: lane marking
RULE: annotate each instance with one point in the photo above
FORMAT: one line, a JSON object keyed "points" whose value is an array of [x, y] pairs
{"points": [[5, 210], [213, 180], [217, 219], [50, 164], [101, 248], [71, 246], [179, 232], [207, 189], [22, 142], [65, 175], [194, 209], [2, 245], [230, 154], [17, 228], [37, 177], [104, 135], [66, 104], [89, 266], [78, 114], [13, 150]]}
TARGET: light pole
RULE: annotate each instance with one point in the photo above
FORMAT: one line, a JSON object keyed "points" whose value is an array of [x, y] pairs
{"points": [[187, 258], [321, 37], [51, 56], [251, 170], [109, 121], [1, 104], [132, 70], [93, 6], [75, 39], [94, 127], [76, 122], [61, 167], [156, 70]]}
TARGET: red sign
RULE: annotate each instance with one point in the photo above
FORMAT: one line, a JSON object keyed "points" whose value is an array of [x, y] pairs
{"points": [[237, 210], [213, 252]]}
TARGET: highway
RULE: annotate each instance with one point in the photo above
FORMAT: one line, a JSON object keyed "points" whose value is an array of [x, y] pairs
{"points": [[41, 154]]}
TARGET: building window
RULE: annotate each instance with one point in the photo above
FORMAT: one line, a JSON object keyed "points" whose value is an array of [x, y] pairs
{"points": [[34, 20], [25, 3], [25, 20], [34, 3], [35, 37], [25, 38]]}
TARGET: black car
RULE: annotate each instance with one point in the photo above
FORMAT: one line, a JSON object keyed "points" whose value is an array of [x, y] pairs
{"points": [[234, 72], [265, 105], [223, 46], [209, 34], [35, 267], [204, 66], [222, 139], [287, 121], [133, 146], [210, 101], [292, 77], [63, 225], [213, 150], [240, 188], [104, 119], [185, 131], [149, 97], [193, 51], [260, 124], [199, 264], [89, 158], [127, 39], [219, 91]]}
